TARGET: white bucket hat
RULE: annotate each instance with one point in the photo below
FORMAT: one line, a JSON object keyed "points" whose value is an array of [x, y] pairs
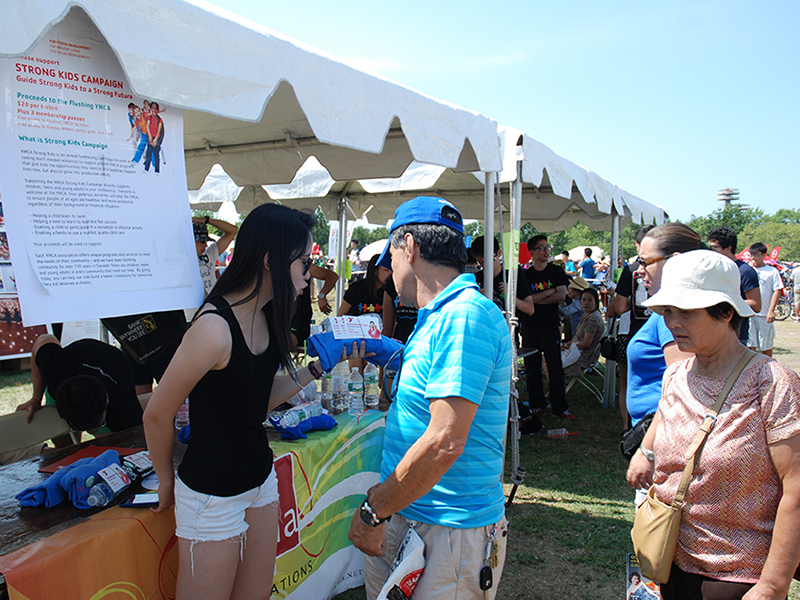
{"points": [[699, 279]]}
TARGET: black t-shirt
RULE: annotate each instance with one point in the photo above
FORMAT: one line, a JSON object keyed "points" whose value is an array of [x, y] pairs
{"points": [[102, 361], [356, 297], [500, 297], [405, 316], [552, 276], [631, 286]]}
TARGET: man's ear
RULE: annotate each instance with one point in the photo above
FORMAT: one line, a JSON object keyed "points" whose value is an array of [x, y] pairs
{"points": [[411, 249]]}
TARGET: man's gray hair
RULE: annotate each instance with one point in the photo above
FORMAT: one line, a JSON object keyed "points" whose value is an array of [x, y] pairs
{"points": [[438, 244]]}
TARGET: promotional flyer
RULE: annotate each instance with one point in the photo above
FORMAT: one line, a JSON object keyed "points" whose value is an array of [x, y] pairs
{"points": [[94, 185]]}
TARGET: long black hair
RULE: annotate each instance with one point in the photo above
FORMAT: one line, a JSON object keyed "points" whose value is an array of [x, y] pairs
{"points": [[373, 288], [283, 234]]}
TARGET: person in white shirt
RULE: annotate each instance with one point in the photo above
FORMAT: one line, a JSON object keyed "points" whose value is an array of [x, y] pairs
{"points": [[762, 326], [796, 282]]}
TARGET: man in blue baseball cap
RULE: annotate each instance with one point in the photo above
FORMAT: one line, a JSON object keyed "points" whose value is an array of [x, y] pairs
{"points": [[443, 446]]}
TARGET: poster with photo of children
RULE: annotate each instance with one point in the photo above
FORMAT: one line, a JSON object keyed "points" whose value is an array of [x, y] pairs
{"points": [[16, 340]]}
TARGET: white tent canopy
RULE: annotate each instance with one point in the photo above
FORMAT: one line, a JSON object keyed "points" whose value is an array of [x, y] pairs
{"points": [[259, 103], [556, 192]]}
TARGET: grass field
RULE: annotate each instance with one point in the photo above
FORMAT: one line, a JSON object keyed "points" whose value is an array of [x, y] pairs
{"points": [[570, 520]]}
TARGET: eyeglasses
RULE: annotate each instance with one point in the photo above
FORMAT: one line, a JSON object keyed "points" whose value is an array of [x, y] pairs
{"points": [[391, 390], [307, 262], [543, 248], [650, 261]]}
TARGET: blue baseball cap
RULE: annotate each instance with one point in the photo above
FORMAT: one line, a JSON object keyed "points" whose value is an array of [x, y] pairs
{"points": [[420, 210]]}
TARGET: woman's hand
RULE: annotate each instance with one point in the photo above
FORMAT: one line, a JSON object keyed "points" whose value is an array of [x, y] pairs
{"points": [[166, 496], [762, 591], [324, 306], [640, 472]]}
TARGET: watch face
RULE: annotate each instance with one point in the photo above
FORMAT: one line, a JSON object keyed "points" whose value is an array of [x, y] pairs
{"points": [[366, 515]]}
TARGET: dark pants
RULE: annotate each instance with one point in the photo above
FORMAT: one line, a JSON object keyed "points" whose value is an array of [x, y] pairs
{"points": [[152, 156], [689, 586], [548, 341]]}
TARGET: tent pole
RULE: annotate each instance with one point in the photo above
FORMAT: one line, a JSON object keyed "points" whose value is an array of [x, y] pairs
{"points": [[488, 237], [517, 470], [340, 252], [610, 380]]}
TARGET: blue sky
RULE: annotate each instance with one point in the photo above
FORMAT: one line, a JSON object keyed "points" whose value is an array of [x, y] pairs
{"points": [[671, 101]]}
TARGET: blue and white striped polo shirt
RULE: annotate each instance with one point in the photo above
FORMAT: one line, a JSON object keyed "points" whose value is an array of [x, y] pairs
{"points": [[460, 347]]}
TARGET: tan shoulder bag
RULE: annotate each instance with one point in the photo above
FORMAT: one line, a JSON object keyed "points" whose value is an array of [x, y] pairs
{"points": [[656, 526]]}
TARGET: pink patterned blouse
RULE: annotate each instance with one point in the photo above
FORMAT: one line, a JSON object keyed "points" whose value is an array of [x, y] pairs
{"points": [[730, 506]]}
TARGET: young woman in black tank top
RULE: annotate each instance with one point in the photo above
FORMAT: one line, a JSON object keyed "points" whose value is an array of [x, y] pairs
{"points": [[226, 365]]}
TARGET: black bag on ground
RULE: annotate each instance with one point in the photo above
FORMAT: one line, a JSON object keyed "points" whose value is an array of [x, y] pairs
{"points": [[632, 438]]}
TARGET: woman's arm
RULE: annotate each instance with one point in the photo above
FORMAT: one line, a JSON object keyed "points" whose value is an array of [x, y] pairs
{"points": [[344, 308], [389, 315], [206, 346], [284, 387], [330, 278], [640, 471], [784, 551]]}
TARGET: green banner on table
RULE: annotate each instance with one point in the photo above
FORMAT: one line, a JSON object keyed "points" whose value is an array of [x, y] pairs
{"points": [[330, 479]]}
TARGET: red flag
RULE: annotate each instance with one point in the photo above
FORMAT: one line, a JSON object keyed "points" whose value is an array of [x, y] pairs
{"points": [[773, 254]]}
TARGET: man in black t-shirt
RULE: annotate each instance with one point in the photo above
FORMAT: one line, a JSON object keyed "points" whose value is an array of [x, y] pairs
{"points": [[548, 285], [524, 304], [90, 383]]}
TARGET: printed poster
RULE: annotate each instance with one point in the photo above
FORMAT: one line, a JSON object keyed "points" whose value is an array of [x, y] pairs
{"points": [[94, 185]]}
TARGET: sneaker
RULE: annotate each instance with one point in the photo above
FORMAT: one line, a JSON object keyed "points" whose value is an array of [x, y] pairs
{"points": [[568, 416]]}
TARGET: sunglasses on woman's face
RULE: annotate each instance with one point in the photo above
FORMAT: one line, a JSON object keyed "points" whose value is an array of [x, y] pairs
{"points": [[307, 262]]}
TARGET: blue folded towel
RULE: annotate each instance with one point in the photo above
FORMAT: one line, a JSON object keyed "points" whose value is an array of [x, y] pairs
{"points": [[80, 479], [49, 492], [320, 423], [67, 481], [329, 350]]}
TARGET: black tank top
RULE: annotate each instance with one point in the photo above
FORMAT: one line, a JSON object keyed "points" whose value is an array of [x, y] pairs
{"points": [[228, 452]]}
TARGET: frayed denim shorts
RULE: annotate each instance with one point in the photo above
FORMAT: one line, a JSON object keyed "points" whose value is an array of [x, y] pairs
{"points": [[206, 518]]}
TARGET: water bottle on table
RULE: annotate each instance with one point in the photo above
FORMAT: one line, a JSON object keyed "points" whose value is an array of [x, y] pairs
{"points": [[295, 415], [371, 388], [182, 416], [113, 480], [355, 392], [339, 388]]}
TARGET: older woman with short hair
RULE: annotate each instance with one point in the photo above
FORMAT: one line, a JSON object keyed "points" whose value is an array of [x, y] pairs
{"points": [[740, 526]]}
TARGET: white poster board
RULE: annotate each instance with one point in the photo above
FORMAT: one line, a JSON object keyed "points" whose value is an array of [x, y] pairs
{"points": [[97, 220]]}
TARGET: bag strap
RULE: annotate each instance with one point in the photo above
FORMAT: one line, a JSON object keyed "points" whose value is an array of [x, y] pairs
{"points": [[708, 422]]}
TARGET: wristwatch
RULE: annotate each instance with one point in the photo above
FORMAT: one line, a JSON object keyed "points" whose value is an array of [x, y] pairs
{"points": [[648, 454], [321, 297], [369, 517]]}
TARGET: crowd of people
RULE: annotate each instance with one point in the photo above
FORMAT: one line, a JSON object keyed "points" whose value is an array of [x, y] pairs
{"points": [[691, 310]]}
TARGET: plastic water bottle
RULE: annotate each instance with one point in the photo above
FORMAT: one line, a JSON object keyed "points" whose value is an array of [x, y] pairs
{"points": [[112, 482], [355, 393], [339, 387], [327, 392], [371, 389], [295, 415], [182, 416], [558, 433]]}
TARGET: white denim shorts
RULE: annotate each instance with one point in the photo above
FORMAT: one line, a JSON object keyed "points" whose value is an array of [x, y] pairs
{"points": [[206, 518]]}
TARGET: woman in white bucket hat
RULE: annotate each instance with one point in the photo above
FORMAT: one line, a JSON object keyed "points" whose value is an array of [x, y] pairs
{"points": [[740, 526]]}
